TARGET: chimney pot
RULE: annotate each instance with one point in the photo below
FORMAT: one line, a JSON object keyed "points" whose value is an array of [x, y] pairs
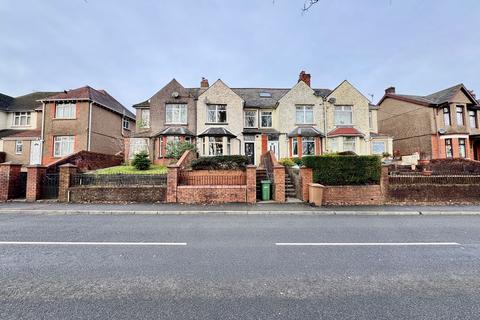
{"points": [[390, 90], [204, 83], [305, 77]]}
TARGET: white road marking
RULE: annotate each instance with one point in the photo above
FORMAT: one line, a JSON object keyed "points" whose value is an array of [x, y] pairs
{"points": [[352, 244], [71, 243]]}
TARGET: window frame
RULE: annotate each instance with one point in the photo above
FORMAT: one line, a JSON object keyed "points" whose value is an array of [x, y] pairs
{"points": [[182, 110], [62, 140], [27, 115], [303, 109], [125, 121], [462, 147], [342, 107], [18, 143], [446, 116], [216, 113], [460, 114], [213, 145], [376, 143], [60, 109], [305, 141], [245, 118], [353, 139], [472, 116], [264, 113], [295, 147], [447, 147]]}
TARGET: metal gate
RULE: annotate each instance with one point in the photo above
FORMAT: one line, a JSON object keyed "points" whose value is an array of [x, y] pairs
{"points": [[50, 186]]}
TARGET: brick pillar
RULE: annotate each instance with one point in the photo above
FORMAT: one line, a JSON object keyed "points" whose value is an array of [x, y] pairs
{"points": [[172, 183], [264, 143], [35, 175], [306, 177], [66, 172], [279, 179], [251, 184], [9, 180], [384, 183], [299, 147]]}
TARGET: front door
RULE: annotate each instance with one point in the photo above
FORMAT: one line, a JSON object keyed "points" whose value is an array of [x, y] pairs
{"points": [[250, 152], [35, 152], [273, 146]]}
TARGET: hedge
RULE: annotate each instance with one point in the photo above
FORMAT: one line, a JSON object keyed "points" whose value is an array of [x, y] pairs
{"points": [[344, 170], [220, 163]]}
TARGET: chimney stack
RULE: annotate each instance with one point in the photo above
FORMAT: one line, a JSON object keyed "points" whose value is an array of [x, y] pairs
{"points": [[390, 90], [204, 83], [305, 77], [474, 95]]}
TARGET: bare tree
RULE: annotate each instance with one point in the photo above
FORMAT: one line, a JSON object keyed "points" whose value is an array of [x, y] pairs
{"points": [[308, 4]]}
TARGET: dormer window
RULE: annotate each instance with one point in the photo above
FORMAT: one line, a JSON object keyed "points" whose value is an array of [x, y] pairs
{"points": [[265, 95], [21, 119]]}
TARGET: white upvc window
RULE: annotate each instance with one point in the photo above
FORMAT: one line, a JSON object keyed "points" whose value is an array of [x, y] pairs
{"points": [[215, 146], [378, 147], [266, 119], [126, 124], [308, 146], [216, 113], [304, 115], [63, 145], [21, 119], [294, 147], [65, 111], [176, 113], [138, 145], [349, 144], [343, 115], [18, 147], [145, 118], [250, 118]]}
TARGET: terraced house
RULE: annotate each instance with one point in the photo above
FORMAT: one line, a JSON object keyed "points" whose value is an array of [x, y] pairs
{"points": [[440, 125], [292, 122]]}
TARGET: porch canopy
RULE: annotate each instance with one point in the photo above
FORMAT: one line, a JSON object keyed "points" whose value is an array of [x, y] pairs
{"points": [[217, 132], [305, 132], [174, 131], [345, 132]]}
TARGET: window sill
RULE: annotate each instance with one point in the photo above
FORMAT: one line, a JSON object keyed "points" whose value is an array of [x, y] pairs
{"points": [[64, 118], [175, 124], [304, 124], [21, 126], [216, 123]]}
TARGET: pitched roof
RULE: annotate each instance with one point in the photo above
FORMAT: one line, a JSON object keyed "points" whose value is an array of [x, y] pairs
{"points": [[345, 132], [27, 102], [305, 132], [434, 99], [260, 97], [174, 131], [101, 97], [143, 104], [12, 133]]}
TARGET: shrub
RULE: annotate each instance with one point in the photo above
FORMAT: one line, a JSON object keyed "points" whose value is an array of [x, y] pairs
{"points": [[220, 163], [347, 153], [176, 149], [297, 161], [141, 161], [287, 162], [344, 170]]}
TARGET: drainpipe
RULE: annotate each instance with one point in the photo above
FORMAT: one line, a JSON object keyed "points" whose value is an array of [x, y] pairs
{"points": [[42, 134], [89, 126], [324, 145], [435, 111]]}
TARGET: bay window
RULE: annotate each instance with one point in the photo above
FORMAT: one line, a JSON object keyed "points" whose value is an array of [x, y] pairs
{"points": [[65, 111], [349, 144], [304, 115], [343, 115], [215, 146], [63, 145], [446, 116], [448, 148], [266, 119], [294, 147], [462, 148], [250, 119], [176, 113], [308, 146], [21, 119], [216, 113]]}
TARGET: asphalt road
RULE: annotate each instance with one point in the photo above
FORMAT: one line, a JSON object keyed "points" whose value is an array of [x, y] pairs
{"points": [[229, 267]]}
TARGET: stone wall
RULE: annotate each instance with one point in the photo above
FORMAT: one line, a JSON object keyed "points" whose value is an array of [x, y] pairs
{"points": [[117, 194]]}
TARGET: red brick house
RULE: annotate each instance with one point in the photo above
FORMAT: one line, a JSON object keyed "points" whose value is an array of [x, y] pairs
{"points": [[440, 125]]}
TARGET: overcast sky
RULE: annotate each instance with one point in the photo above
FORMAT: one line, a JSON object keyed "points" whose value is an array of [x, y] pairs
{"points": [[133, 48]]}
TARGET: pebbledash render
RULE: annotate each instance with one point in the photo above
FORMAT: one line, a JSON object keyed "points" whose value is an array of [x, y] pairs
{"points": [[292, 122], [441, 125]]}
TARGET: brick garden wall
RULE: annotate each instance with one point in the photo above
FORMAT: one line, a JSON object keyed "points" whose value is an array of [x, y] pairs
{"points": [[211, 194], [86, 161], [353, 195], [118, 194], [434, 193]]}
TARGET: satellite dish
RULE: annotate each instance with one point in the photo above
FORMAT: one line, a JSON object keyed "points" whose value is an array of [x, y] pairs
{"points": [[442, 131], [332, 100], [175, 94]]}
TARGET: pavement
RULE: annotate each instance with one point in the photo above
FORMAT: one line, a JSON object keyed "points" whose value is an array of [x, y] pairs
{"points": [[216, 266], [233, 208]]}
